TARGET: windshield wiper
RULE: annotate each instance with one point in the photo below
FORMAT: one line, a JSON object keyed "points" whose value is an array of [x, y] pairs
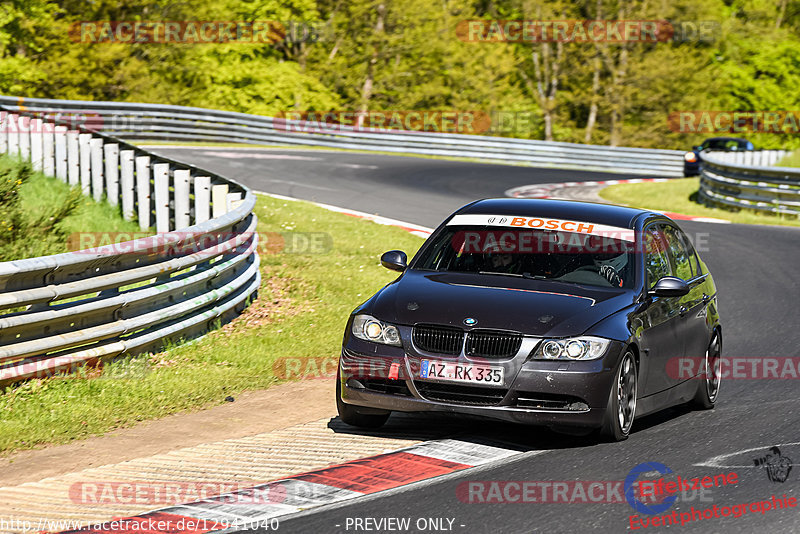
{"points": [[502, 274]]}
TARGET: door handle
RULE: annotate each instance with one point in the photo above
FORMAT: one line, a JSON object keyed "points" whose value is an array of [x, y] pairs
{"points": [[683, 311]]}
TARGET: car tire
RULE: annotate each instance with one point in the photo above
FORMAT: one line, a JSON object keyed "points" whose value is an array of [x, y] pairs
{"points": [[349, 415], [621, 408], [708, 387]]}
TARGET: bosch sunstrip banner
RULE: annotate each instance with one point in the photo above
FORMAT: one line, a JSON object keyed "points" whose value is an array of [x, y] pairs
{"points": [[544, 223]]}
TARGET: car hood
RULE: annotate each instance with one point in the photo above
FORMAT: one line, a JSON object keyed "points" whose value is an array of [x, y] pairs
{"points": [[533, 307]]}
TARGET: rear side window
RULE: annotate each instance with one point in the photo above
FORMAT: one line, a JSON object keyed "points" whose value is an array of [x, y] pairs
{"points": [[655, 256], [693, 258], [678, 254]]}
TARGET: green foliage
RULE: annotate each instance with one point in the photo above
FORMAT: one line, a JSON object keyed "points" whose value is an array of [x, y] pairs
{"points": [[38, 214], [406, 55]]}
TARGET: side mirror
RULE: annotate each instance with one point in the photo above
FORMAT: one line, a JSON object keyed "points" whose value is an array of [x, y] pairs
{"points": [[669, 286], [394, 260]]}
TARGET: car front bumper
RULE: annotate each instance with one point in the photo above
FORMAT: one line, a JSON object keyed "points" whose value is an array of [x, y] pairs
{"points": [[691, 168], [551, 393]]}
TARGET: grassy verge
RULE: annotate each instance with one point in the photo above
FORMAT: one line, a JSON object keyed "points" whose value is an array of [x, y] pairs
{"points": [[38, 213], [678, 196], [300, 313], [792, 160]]}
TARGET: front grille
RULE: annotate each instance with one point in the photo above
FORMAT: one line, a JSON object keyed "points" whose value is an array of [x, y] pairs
{"points": [[468, 395], [438, 339], [492, 344], [550, 401]]}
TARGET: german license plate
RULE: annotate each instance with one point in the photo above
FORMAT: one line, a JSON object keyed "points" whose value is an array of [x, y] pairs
{"points": [[457, 372]]}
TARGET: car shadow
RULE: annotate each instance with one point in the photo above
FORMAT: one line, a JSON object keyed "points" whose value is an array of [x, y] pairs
{"points": [[660, 418], [433, 426]]}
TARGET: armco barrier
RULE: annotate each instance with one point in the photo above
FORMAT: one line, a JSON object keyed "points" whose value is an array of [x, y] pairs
{"points": [[748, 186], [177, 123], [58, 312]]}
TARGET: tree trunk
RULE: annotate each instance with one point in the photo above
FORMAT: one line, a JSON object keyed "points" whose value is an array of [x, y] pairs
{"points": [[547, 72], [369, 79], [781, 14], [590, 122]]}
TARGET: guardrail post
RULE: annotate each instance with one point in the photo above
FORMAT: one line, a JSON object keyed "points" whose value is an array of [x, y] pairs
{"points": [[24, 129], [202, 199], [13, 134], [219, 200], [233, 200], [181, 180], [3, 132], [36, 143], [48, 149], [84, 159], [161, 181], [143, 190], [126, 183], [96, 147], [73, 157], [111, 153], [85, 149]]}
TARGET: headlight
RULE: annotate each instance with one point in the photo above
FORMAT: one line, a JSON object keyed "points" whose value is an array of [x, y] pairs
{"points": [[691, 157], [576, 348], [368, 328]]}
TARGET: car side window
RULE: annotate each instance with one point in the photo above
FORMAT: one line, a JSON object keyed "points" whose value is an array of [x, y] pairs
{"points": [[655, 259], [693, 258], [676, 248]]}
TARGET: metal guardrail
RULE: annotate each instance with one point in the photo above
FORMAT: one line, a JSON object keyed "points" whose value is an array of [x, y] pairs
{"points": [[750, 186], [135, 121], [62, 311]]}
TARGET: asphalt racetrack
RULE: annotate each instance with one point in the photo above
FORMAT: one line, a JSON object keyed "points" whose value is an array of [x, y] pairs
{"points": [[755, 268]]}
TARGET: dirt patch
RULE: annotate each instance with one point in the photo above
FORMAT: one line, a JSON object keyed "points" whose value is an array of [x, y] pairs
{"points": [[272, 305], [251, 413]]}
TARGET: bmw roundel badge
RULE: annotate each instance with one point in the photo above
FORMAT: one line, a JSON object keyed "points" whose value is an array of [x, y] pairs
{"points": [[469, 321]]}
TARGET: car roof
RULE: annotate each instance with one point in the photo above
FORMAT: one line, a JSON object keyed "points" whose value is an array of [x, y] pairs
{"points": [[607, 214], [726, 139]]}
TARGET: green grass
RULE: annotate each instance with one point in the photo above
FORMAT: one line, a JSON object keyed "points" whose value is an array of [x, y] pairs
{"points": [[678, 196], [38, 214], [300, 312], [792, 160]]}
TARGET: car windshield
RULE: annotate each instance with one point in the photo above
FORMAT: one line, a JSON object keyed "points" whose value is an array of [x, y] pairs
{"points": [[561, 256], [725, 144]]}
